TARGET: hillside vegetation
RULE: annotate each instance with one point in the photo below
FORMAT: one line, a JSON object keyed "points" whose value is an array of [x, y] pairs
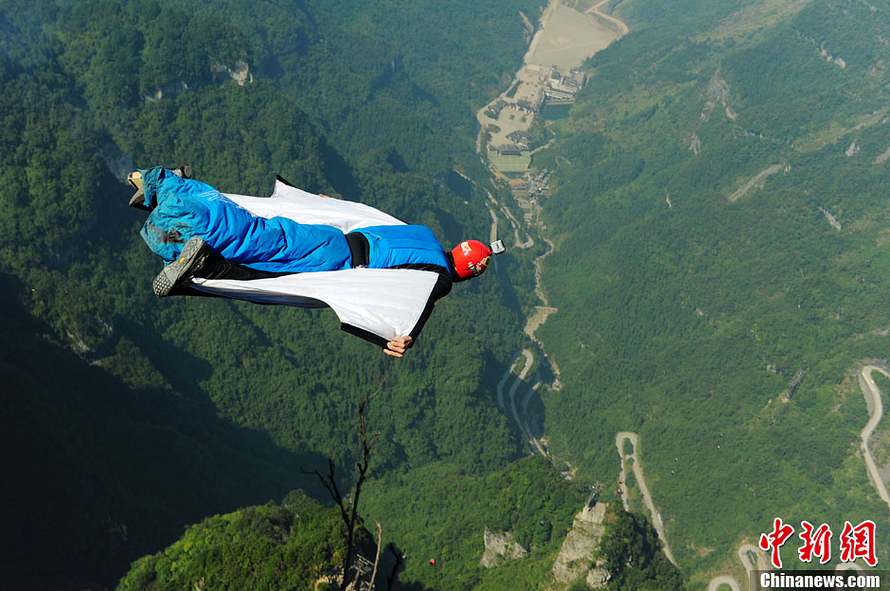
{"points": [[722, 185], [154, 414], [295, 545], [721, 269]]}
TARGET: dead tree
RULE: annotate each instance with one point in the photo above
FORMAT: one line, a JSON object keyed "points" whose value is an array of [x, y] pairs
{"points": [[377, 556], [349, 505]]}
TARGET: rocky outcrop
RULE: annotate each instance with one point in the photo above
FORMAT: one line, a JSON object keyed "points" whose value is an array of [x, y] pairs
{"points": [[240, 73], [717, 93], [575, 556], [597, 577], [500, 547]]}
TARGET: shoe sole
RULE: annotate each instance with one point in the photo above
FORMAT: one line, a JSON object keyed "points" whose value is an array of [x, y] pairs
{"points": [[190, 261]]}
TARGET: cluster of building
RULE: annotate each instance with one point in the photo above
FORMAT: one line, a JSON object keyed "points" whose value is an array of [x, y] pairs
{"points": [[533, 183], [508, 150], [494, 109], [542, 87], [561, 89], [520, 139]]}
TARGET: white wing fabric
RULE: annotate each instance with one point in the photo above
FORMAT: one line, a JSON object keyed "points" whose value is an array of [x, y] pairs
{"points": [[308, 208], [385, 303]]}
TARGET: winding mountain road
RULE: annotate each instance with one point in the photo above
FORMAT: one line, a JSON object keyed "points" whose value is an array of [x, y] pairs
{"points": [[876, 413], [714, 584], [534, 226], [523, 373], [759, 563], [745, 552], [657, 521], [518, 380], [623, 29], [543, 311], [493, 206]]}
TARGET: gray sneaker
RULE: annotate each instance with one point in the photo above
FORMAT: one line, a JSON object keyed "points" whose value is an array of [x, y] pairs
{"points": [[193, 256]]}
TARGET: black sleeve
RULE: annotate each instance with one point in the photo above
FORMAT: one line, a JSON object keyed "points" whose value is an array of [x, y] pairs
{"points": [[421, 322], [440, 290]]}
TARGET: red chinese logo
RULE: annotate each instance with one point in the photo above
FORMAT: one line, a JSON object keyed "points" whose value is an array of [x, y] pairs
{"points": [[774, 540], [815, 542], [859, 542], [856, 541]]}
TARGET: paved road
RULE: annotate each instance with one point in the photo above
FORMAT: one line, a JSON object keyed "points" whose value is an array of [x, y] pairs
{"points": [[727, 580], [518, 380], [503, 382], [520, 377], [876, 413], [623, 29], [492, 206], [657, 521], [745, 552], [493, 233]]}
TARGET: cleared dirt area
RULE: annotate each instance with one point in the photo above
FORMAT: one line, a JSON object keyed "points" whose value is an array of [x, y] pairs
{"points": [[569, 38], [883, 157], [757, 182], [838, 130], [529, 88]]}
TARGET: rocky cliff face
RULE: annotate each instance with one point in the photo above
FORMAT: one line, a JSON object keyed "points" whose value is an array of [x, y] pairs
{"points": [[500, 547], [574, 559], [240, 72]]}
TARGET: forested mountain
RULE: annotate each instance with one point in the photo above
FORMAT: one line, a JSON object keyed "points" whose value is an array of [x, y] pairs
{"points": [[722, 184], [131, 417], [719, 214]]}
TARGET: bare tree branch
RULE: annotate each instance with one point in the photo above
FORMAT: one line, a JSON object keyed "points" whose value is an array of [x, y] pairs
{"points": [[352, 516], [348, 506], [377, 557]]}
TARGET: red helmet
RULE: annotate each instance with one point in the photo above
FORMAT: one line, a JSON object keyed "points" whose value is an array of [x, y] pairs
{"points": [[471, 258]]}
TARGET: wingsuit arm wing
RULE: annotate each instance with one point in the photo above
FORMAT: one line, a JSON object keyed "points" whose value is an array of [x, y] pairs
{"points": [[375, 304], [308, 208], [441, 288]]}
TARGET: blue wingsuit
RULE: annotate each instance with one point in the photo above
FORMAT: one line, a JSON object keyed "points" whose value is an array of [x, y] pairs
{"points": [[183, 208]]}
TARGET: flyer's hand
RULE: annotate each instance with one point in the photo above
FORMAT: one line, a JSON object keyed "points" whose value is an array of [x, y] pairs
{"points": [[398, 346]]}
